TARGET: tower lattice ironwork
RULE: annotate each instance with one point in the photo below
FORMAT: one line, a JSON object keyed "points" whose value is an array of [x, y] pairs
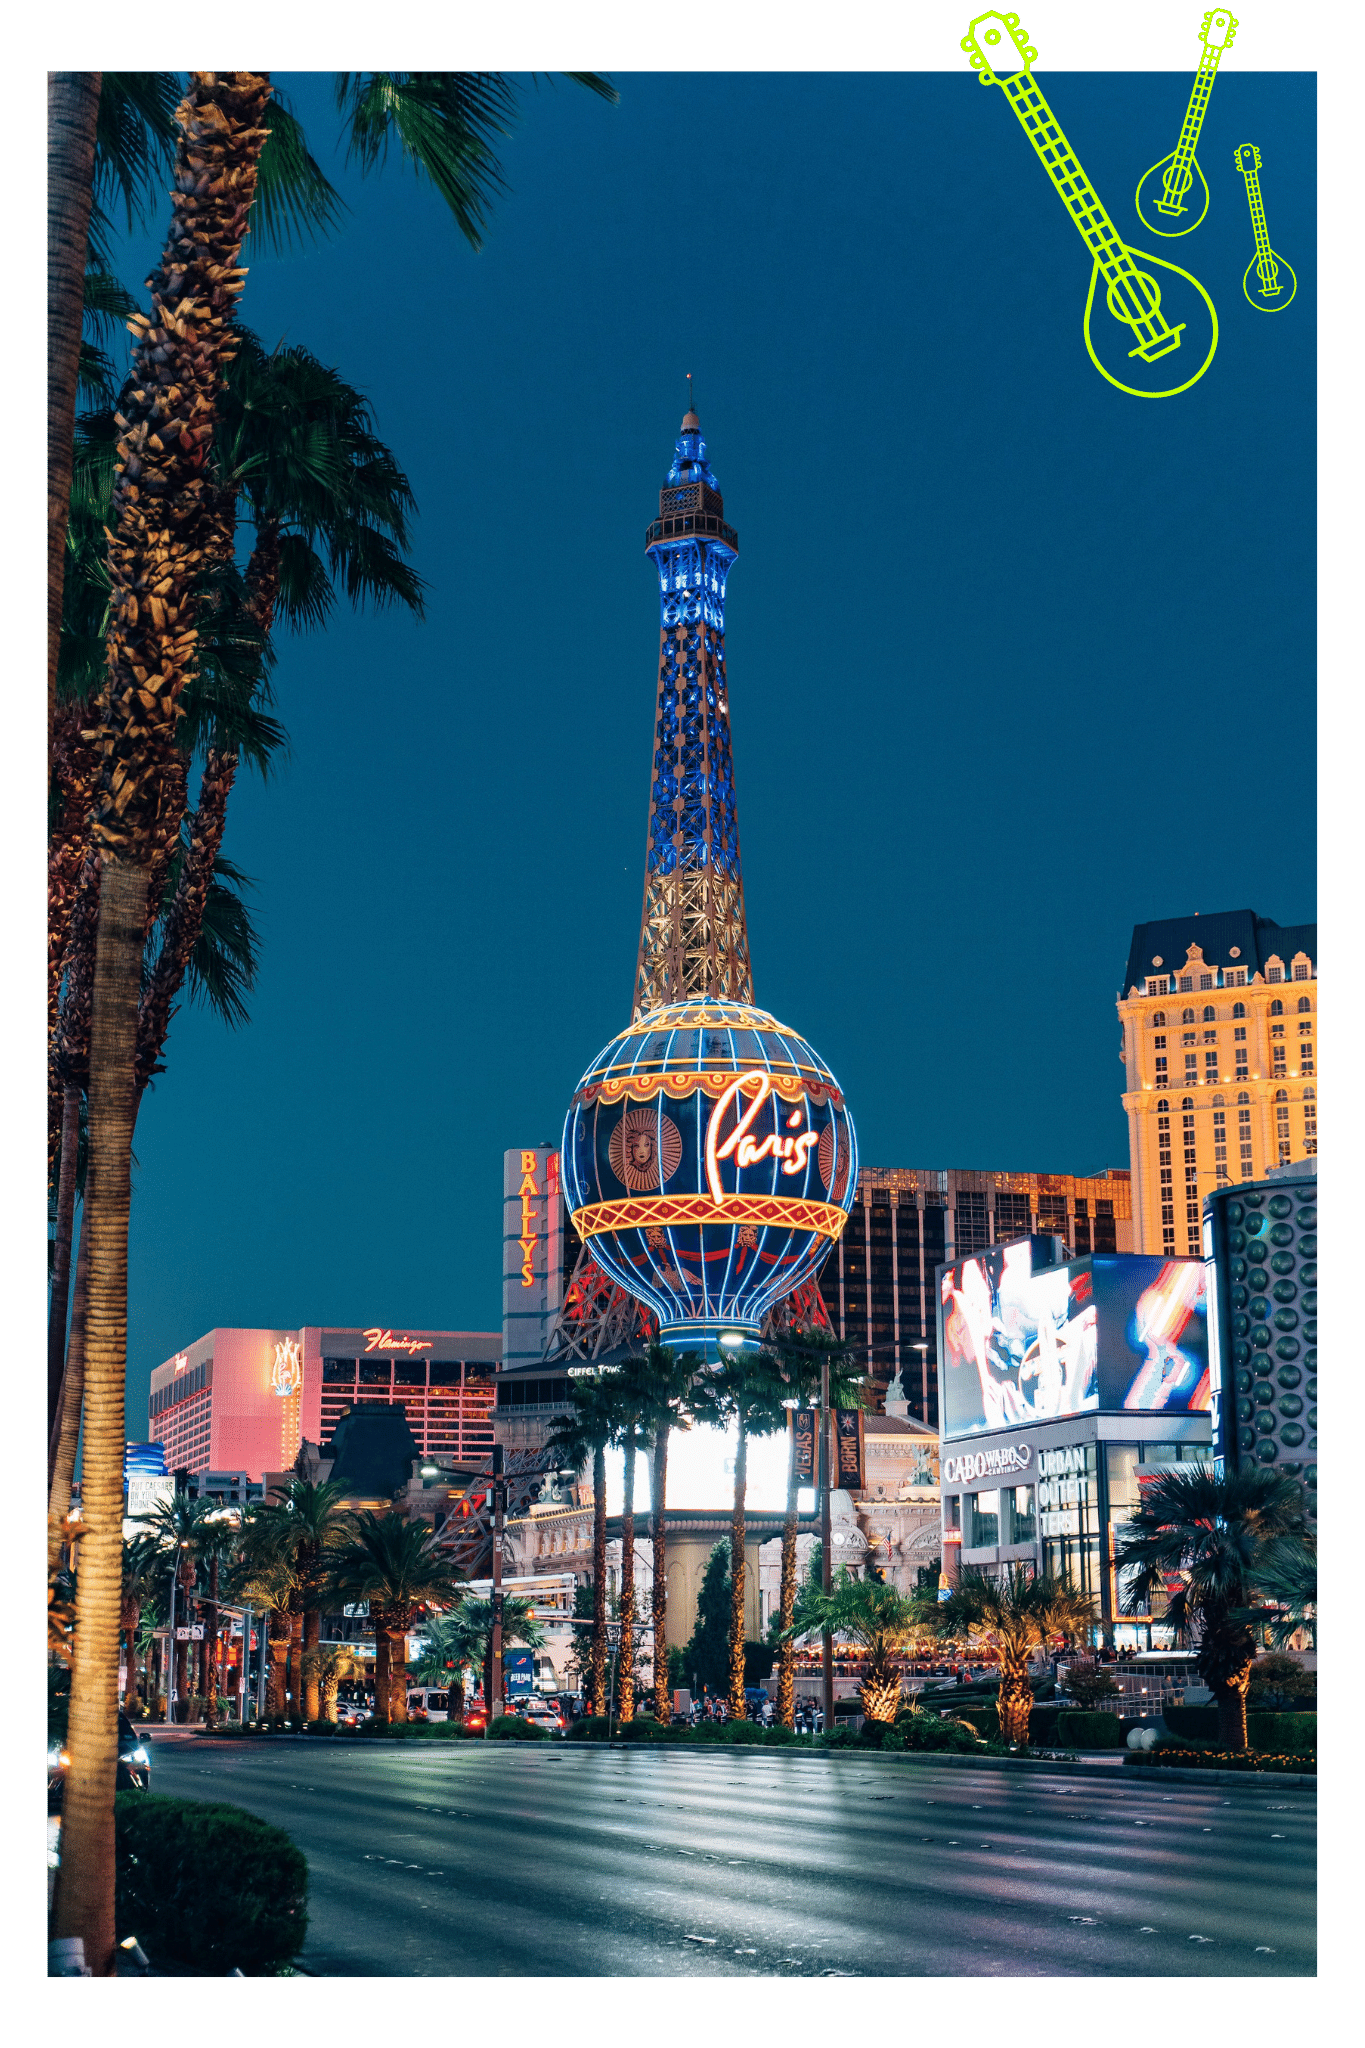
{"points": [[693, 938]]}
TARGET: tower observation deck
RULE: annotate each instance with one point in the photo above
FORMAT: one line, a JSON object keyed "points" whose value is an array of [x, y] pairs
{"points": [[693, 940]]}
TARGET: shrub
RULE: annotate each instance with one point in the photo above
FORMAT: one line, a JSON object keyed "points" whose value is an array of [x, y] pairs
{"points": [[511, 1728], [1192, 1721], [1042, 1727], [1081, 1730], [589, 1728], [641, 1729], [926, 1731], [207, 1888], [1220, 1759], [322, 1727], [842, 1738], [779, 1734], [1277, 1681], [985, 1720], [1089, 1682], [1277, 1732]]}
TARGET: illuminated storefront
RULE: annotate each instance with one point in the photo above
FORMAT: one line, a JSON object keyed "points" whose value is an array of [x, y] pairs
{"points": [[1064, 1387], [244, 1400]]}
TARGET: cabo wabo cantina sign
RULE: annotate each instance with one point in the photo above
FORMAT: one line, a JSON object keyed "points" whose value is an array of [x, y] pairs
{"points": [[710, 1159]]}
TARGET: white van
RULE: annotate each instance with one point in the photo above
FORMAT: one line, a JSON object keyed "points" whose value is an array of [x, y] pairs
{"points": [[428, 1703]]}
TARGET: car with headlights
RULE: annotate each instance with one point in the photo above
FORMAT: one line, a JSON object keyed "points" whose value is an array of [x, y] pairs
{"points": [[544, 1713], [134, 1763]]}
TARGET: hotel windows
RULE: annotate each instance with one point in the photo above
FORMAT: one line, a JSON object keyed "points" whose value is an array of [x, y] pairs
{"points": [[1186, 983], [1210, 1067], [1300, 971], [952, 1511], [1159, 1020], [1187, 1016], [1210, 1016], [1277, 1066], [1160, 1043], [1234, 977], [1161, 1070], [1210, 1038], [1206, 981], [1275, 973], [1277, 1008], [1304, 1005], [1310, 1122], [1282, 1124], [1239, 1010], [1220, 1145], [1158, 985], [1191, 1069], [1244, 1135]]}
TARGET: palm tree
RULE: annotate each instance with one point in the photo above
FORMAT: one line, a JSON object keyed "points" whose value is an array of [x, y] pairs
{"points": [[312, 1528], [799, 1356], [177, 1531], [169, 407], [143, 1574], [397, 1566], [217, 1543], [747, 1389], [1023, 1612], [580, 1438], [878, 1617], [324, 1667], [1288, 1579], [628, 1393], [454, 1645], [263, 1575], [668, 1377], [1226, 1539]]}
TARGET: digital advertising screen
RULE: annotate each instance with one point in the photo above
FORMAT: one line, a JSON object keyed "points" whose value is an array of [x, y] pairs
{"points": [[1020, 1345], [1017, 1345], [1154, 1334]]}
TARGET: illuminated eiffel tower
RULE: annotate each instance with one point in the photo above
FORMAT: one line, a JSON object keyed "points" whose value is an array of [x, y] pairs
{"points": [[693, 938]]}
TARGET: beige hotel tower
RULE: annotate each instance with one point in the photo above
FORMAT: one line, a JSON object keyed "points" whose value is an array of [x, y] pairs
{"points": [[1218, 1036]]}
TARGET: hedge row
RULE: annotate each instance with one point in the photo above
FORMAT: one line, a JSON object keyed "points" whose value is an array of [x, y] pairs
{"points": [[1048, 1726], [1275, 1732], [1222, 1760]]}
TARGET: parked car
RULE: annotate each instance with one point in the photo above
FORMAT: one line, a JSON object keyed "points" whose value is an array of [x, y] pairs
{"points": [[544, 1713], [134, 1765]]}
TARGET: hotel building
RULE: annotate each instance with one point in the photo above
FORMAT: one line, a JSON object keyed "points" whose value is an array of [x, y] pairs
{"points": [[243, 1400], [878, 1282], [1218, 1036]]}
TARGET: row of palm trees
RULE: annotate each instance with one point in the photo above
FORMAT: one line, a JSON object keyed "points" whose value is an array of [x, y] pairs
{"points": [[159, 650], [635, 1407], [299, 1555]]}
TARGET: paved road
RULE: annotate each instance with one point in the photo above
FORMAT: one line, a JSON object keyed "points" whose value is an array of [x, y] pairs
{"points": [[503, 1860]]}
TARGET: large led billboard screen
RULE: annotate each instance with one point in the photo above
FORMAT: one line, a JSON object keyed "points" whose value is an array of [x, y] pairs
{"points": [[1020, 1345]]}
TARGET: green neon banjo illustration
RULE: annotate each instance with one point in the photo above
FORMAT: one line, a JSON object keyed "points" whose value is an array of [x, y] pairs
{"points": [[1270, 269], [1176, 173], [1001, 55]]}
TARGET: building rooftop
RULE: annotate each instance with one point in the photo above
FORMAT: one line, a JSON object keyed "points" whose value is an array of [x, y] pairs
{"points": [[1226, 938]]}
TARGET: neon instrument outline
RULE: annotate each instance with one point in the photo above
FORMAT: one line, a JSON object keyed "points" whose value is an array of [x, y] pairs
{"points": [[1270, 295], [1180, 169], [1132, 294]]}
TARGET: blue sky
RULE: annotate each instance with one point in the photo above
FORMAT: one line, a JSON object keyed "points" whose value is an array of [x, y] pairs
{"points": [[1015, 661]]}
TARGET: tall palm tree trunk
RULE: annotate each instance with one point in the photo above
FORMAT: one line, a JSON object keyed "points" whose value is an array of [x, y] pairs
{"points": [[278, 1647], [61, 1262], [1015, 1701], [398, 1669], [627, 1656], [312, 1636], [786, 1656], [597, 1702], [73, 774], [167, 414], [211, 1646], [85, 1886], [73, 105], [295, 1681], [736, 1700], [381, 1662], [62, 1447], [663, 1703]]}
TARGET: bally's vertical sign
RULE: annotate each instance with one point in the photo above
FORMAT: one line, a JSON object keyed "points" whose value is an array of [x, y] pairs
{"points": [[532, 1251]]}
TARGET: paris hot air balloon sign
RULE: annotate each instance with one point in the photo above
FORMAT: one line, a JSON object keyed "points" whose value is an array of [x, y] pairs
{"points": [[711, 1162]]}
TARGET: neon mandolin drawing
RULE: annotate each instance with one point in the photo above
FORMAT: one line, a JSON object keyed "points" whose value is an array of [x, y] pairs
{"points": [[1270, 269], [1166, 185], [1001, 55]]}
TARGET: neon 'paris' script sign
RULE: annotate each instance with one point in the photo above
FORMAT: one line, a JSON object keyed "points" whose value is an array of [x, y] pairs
{"points": [[747, 1151]]}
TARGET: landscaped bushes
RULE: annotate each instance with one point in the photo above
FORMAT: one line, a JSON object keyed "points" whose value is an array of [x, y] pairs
{"points": [[1221, 1759], [207, 1889], [1077, 1729], [1273, 1732], [511, 1728], [926, 1731]]}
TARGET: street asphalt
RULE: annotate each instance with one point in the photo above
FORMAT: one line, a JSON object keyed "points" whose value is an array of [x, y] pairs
{"points": [[563, 1859]]}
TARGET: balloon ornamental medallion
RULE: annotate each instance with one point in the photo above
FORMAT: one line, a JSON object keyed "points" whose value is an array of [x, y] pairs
{"points": [[708, 1158]]}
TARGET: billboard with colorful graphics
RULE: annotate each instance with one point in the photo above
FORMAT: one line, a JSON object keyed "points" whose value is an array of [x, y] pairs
{"points": [[1023, 1341]]}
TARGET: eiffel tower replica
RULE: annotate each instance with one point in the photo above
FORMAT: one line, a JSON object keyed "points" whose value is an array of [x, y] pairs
{"points": [[694, 941]]}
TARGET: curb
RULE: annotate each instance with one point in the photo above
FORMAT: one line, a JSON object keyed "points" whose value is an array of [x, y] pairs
{"points": [[1197, 1777]]}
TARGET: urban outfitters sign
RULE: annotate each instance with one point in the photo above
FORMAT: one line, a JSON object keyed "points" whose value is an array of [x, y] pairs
{"points": [[987, 1464]]}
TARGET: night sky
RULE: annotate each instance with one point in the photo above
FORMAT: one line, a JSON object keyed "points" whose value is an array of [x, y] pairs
{"points": [[1015, 661]]}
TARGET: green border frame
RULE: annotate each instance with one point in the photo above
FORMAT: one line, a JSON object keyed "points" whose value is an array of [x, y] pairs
{"points": [[623, 35]]}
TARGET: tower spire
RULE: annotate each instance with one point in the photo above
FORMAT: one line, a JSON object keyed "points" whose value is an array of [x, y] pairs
{"points": [[693, 938]]}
